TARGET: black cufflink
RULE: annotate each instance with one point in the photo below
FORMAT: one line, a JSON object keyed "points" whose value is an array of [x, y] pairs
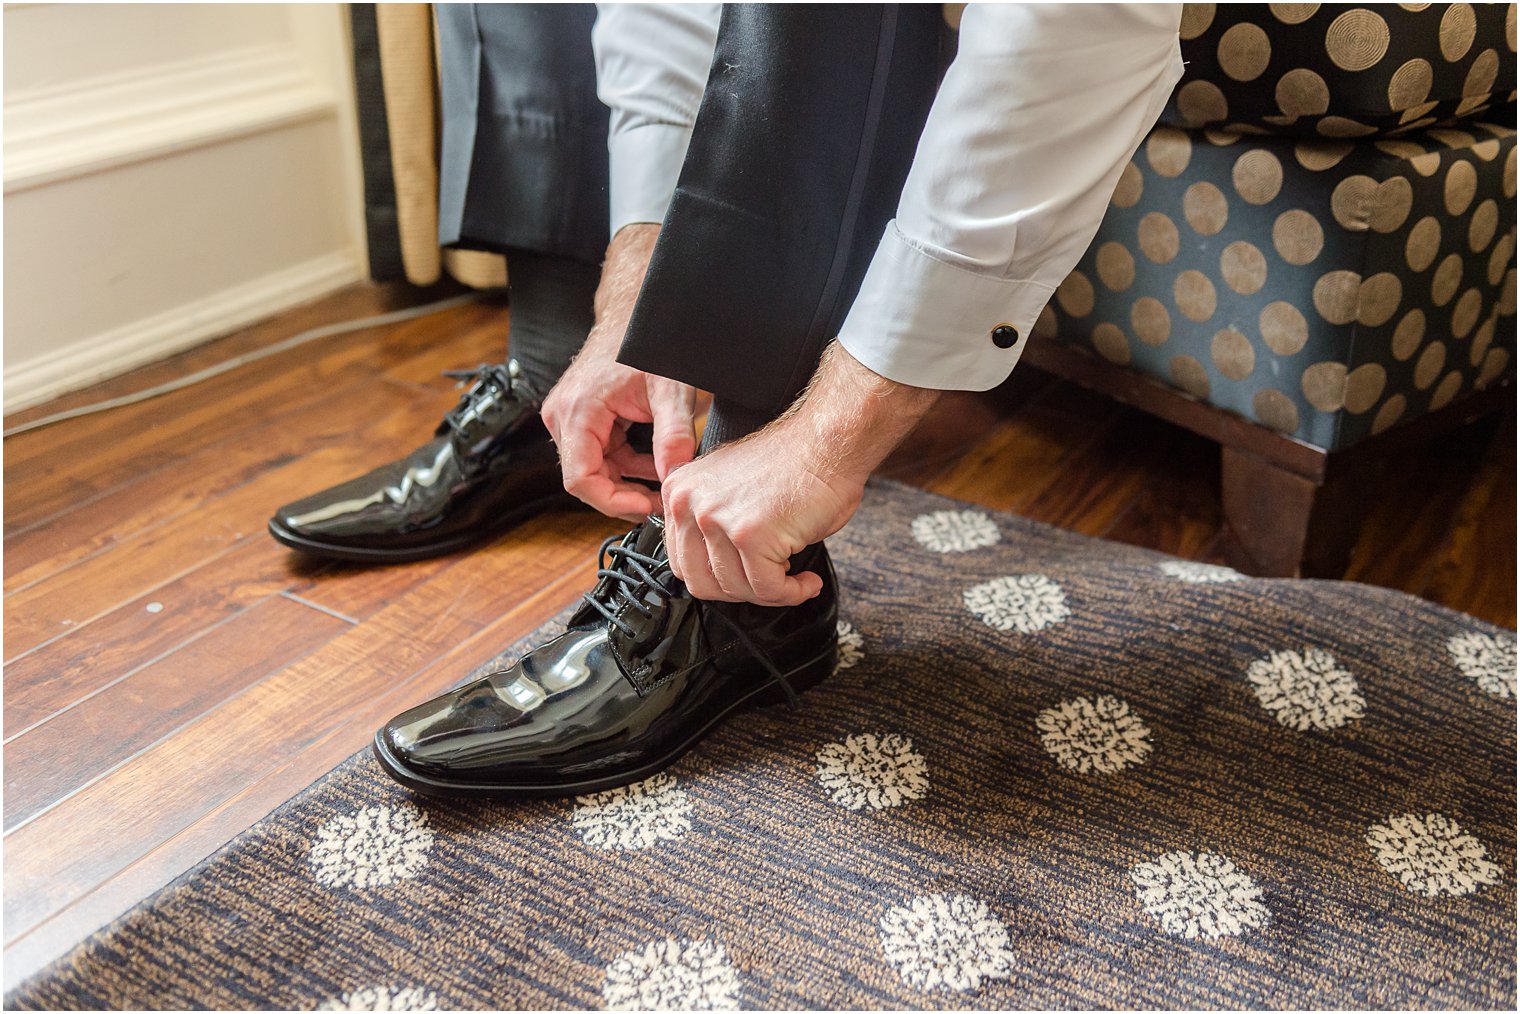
{"points": [[1005, 336]]}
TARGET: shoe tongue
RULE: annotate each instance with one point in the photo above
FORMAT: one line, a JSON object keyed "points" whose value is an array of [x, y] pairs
{"points": [[650, 538]]}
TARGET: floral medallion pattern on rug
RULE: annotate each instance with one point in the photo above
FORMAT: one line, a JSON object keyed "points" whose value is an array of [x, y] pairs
{"points": [[1200, 573], [374, 847], [1023, 602], [1097, 734], [851, 645], [875, 772], [673, 974], [1199, 895], [383, 998], [955, 531], [946, 942], [1486, 659], [1306, 691], [1431, 855], [636, 816]]}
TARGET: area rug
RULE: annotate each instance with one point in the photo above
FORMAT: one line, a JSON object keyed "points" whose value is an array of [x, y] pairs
{"points": [[1051, 772]]}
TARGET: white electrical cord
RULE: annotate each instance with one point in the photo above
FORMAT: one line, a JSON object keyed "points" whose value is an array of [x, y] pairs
{"points": [[326, 331]]}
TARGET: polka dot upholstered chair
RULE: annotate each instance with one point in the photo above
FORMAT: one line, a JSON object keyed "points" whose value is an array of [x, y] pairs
{"points": [[1311, 256]]}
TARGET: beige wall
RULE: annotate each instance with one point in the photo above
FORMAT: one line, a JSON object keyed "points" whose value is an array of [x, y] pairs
{"points": [[172, 172]]}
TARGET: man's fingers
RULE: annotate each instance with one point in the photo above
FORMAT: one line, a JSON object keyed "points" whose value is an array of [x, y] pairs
{"points": [[798, 589], [630, 464], [675, 434], [728, 569], [690, 561]]}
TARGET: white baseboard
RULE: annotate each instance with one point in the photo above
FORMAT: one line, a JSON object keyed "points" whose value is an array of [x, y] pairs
{"points": [[143, 341]]}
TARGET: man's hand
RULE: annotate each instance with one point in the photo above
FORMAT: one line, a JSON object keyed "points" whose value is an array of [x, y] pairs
{"points": [[734, 516], [589, 411]]}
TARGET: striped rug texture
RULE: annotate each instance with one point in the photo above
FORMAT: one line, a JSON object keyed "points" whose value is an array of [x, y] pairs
{"points": [[1051, 772]]}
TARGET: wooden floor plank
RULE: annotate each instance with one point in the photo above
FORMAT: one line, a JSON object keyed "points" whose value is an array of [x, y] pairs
{"points": [[77, 746], [1477, 563], [73, 667]]}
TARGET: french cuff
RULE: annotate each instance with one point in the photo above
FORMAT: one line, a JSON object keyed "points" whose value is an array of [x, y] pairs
{"points": [[925, 322], [644, 163]]}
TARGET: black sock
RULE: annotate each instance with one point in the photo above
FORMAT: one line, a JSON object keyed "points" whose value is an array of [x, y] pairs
{"points": [[551, 306], [728, 421]]}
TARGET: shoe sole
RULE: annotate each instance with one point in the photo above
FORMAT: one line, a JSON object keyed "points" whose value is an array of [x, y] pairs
{"points": [[801, 679], [411, 554]]}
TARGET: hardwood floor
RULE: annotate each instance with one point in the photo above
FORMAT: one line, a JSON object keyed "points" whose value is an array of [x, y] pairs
{"points": [[172, 674]]}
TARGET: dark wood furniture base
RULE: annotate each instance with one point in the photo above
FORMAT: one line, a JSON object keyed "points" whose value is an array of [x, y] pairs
{"points": [[1293, 508]]}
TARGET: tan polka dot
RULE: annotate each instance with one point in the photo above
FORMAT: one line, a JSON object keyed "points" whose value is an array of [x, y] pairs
{"points": [[1151, 321], [1446, 390], [1297, 237], [1317, 156], [1452, 138], [1414, 7], [1168, 150], [1509, 174], [1159, 240], [1189, 374], [1351, 202], [1480, 76], [1499, 259], [1195, 296], [1335, 296], [1482, 339], [1196, 19], [1357, 39], [1458, 25], [1410, 85], [1391, 204], [1280, 121], [1221, 138], [1461, 185], [1301, 92], [1364, 385], [1487, 150], [1408, 334], [1283, 328], [1324, 386], [1464, 316], [1293, 14], [1244, 51], [1399, 149], [1509, 27], [1233, 355], [1427, 164], [1116, 268], [1340, 126], [1444, 283], [1416, 125], [1131, 185], [1389, 414], [1428, 367], [1258, 176], [1205, 208], [1201, 102], [1507, 294], [1243, 267], [1111, 343], [1423, 244], [1246, 128], [1275, 409], [1473, 104], [1045, 325], [1418, 112], [1379, 298], [1483, 225], [1076, 295], [1493, 368]]}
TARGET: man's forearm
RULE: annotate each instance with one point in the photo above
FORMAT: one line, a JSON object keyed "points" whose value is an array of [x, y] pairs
{"points": [[849, 418], [622, 275]]}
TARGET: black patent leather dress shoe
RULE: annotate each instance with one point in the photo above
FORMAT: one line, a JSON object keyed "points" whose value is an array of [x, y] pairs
{"points": [[643, 672], [490, 465]]}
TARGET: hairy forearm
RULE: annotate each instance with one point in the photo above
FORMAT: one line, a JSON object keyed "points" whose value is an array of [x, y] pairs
{"points": [[623, 272], [850, 418]]}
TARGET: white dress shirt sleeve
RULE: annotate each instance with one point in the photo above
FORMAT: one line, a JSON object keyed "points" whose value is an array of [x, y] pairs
{"points": [[652, 62], [1035, 120]]}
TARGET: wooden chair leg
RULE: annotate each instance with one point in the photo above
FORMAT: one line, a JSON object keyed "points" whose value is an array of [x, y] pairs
{"points": [[1286, 525]]}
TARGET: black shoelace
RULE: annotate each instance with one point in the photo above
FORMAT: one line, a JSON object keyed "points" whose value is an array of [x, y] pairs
{"points": [[647, 574], [488, 379]]}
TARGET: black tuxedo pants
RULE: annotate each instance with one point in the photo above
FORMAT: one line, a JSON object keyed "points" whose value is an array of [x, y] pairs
{"points": [[801, 145]]}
